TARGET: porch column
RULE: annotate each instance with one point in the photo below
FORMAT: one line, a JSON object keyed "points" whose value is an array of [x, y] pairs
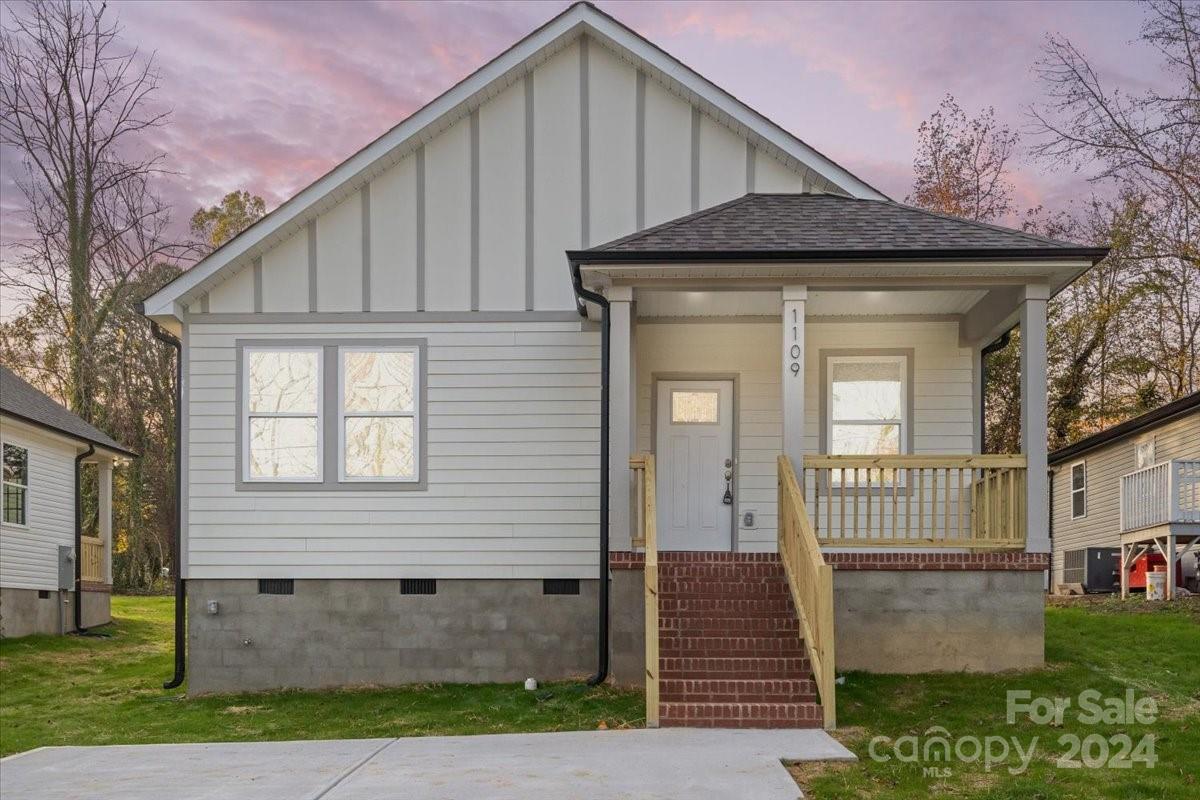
{"points": [[794, 299], [623, 413], [105, 488], [1033, 416]]}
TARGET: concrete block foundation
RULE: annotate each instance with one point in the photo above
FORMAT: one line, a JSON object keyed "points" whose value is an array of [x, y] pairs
{"points": [[24, 612], [365, 632]]}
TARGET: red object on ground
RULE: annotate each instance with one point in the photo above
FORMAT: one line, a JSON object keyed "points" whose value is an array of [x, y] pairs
{"points": [[1150, 563]]}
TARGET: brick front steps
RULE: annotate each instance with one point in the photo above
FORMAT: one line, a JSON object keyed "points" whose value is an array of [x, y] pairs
{"points": [[730, 649]]}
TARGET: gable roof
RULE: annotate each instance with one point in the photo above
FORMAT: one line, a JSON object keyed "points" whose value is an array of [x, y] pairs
{"points": [[810, 226], [468, 94], [1188, 404], [20, 400]]}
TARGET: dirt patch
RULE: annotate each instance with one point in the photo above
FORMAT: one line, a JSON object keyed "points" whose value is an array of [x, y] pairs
{"points": [[1134, 604]]}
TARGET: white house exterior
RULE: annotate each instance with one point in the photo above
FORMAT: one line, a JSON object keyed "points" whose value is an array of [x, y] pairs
{"points": [[392, 378], [40, 587]]}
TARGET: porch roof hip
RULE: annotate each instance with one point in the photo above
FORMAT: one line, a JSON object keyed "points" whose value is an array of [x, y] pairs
{"points": [[824, 227]]}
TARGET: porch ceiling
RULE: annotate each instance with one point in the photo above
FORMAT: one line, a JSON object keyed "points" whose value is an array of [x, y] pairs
{"points": [[684, 303]]}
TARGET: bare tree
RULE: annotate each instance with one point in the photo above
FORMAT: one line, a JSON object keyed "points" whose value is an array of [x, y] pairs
{"points": [[76, 104], [961, 166]]}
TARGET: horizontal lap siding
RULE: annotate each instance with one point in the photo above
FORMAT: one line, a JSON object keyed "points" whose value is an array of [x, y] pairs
{"points": [[513, 417], [1101, 526], [29, 556]]}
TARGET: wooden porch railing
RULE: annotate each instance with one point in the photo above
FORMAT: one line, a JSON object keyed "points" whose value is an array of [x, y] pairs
{"points": [[642, 465], [91, 559], [973, 501], [811, 583]]}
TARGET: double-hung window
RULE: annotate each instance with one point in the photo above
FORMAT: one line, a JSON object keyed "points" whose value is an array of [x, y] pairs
{"points": [[16, 485], [867, 402], [282, 435], [1079, 490], [377, 420]]}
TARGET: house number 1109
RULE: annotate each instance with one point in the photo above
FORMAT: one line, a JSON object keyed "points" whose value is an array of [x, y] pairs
{"points": [[795, 351]]}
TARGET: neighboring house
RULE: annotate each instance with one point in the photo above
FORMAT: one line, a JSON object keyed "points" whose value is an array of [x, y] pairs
{"points": [[1133, 482], [392, 414], [44, 587]]}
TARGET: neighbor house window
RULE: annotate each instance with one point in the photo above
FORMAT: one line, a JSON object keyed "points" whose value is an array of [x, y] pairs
{"points": [[379, 407], [282, 417], [1078, 490], [16, 484], [1145, 454]]}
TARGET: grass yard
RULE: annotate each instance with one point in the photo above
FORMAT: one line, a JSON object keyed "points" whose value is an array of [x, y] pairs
{"points": [[1091, 643], [70, 690], [82, 690]]}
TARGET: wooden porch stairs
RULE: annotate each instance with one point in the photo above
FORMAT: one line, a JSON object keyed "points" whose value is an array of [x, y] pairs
{"points": [[730, 648]]}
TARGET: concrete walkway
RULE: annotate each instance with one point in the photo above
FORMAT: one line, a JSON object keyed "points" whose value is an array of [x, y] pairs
{"points": [[643, 764]]}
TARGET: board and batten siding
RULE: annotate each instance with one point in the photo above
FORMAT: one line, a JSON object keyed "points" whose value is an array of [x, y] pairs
{"points": [[1101, 524], [941, 392], [513, 416], [29, 555], [477, 216]]}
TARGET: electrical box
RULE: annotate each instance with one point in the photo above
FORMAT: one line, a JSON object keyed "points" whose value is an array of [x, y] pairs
{"points": [[66, 567]]}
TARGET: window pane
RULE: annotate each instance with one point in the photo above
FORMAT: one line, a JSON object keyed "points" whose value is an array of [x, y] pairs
{"points": [[286, 381], [1078, 504], [695, 407], [283, 447], [378, 381], [14, 505], [380, 447], [16, 464], [867, 390], [856, 440], [1077, 476]]}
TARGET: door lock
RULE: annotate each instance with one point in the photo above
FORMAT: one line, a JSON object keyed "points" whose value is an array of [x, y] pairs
{"points": [[727, 499]]}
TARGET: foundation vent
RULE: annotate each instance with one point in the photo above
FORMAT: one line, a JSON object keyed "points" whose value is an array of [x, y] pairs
{"points": [[418, 586], [276, 586], [560, 586]]}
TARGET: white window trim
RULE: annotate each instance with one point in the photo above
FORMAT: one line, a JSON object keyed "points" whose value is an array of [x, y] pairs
{"points": [[247, 414], [902, 423], [413, 413], [1072, 490], [25, 486]]}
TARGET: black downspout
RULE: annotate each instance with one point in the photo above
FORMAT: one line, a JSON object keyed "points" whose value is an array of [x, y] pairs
{"points": [[605, 329], [176, 544], [999, 344], [79, 538]]}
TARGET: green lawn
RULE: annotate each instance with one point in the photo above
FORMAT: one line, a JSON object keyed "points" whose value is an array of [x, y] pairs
{"points": [[83, 690], [70, 690], [1104, 645]]}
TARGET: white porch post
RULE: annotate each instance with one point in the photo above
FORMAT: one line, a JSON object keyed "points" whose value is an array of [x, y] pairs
{"points": [[794, 299], [1033, 416], [105, 488], [623, 413]]}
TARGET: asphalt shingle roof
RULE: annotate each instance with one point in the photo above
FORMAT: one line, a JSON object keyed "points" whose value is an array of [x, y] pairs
{"points": [[813, 224], [20, 399]]}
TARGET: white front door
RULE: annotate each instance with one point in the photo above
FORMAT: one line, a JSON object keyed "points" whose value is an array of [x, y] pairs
{"points": [[695, 465]]}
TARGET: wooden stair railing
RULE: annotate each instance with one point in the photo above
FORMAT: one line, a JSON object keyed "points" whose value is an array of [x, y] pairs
{"points": [[811, 583], [643, 466]]}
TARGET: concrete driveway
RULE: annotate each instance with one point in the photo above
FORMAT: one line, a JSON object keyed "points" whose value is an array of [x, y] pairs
{"points": [[643, 764]]}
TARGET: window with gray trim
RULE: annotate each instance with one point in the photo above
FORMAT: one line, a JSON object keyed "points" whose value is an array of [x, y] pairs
{"points": [[334, 414], [16, 485], [1079, 490]]}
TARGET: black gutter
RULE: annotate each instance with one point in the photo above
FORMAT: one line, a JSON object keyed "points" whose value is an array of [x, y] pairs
{"points": [[999, 344], [1185, 404], [595, 257], [79, 538], [583, 295], [176, 544]]}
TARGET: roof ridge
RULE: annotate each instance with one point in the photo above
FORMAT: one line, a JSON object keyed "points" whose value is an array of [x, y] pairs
{"points": [[980, 224], [669, 224]]}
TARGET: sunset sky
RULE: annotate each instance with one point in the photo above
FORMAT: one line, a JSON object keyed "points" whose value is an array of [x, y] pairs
{"points": [[268, 96]]}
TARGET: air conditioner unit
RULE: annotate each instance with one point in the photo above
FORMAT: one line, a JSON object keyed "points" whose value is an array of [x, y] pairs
{"points": [[1097, 569]]}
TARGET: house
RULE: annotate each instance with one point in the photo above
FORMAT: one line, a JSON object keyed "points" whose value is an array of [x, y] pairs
{"points": [[429, 400], [1128, 491], [53, 577]]}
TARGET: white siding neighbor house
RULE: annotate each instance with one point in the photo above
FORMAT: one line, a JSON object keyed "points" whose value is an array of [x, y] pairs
{"points": [[584, 330], [54, 577]]}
